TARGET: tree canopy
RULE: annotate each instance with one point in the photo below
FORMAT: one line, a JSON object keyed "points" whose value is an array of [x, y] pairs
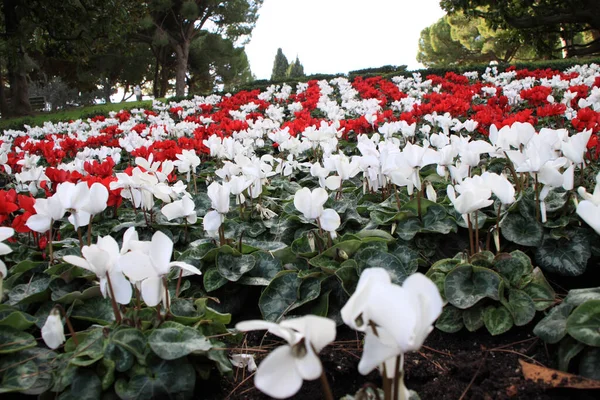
{"points": [[459, 39], [176, 23], [280, 66], [575, 22]]}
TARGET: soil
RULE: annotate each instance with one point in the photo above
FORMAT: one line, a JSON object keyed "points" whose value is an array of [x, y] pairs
{"points": [[462, 365]]}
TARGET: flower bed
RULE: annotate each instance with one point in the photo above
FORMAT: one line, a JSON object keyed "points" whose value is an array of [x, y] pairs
{"points": [[148, 231]]}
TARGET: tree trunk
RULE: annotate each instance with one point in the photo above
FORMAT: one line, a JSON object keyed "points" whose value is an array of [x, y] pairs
{"points": [[164, 81], [156, 81], [107, 90], [182, 51], [3, 103], [17, 75]]}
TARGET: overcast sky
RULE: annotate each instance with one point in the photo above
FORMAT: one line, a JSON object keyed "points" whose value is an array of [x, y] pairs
{"points": [[333, 36]]}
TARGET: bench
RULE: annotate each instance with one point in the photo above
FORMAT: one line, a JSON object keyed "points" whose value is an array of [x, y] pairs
{"points": [[36, 102]]}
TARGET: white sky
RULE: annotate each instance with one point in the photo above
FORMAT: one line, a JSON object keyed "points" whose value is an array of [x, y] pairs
{"points": [[331, 36]]}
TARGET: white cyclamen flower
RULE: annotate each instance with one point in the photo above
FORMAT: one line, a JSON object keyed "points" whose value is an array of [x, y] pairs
{"points": [[282, 372]]}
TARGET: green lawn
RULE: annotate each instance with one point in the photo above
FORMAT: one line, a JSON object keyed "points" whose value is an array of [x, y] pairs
{"points": [[70, 114]]}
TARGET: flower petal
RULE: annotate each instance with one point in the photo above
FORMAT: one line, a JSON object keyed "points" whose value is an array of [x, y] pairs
{"points": [[277, 375], [121, 287], [137, 266], [152, 290], [330, 220], [377, 349], [161, 252], [80, 262]]}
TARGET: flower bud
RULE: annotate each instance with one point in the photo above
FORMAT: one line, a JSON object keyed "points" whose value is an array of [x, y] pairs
{"points": [[53, 331]]}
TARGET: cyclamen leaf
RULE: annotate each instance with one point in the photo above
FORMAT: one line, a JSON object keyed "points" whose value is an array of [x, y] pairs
{"points": [[173, 340], [584, 323]]}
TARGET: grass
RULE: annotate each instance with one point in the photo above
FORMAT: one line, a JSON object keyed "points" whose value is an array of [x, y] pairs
{"points": [[38, 119]]}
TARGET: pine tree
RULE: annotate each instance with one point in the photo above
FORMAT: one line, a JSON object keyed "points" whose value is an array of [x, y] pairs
{"points": [[280, 66], [295, 70]]}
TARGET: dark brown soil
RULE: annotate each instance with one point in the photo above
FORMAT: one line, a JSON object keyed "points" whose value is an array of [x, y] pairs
{"points": [[450, 366]]}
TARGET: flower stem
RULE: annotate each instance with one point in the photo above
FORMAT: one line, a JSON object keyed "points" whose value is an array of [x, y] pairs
{"points": [[537, 199], [221, 235], [419, 203], [113, 302], [327, 393], [179, 282], [498, 223], [399, 378], [89, 231], [477, 231], [167, 302], [80, 238], [470, 225], [50, 249], [69, 326]]}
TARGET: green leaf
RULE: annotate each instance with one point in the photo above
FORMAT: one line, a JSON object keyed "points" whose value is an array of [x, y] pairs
{"points": [[184, 312], [231, 265], [520, 306], [46, 363], [483, 259], [348, 276], [16, 319], [307, 245], [266, 266], [556, 200], [465, 285], [497, 320], [407, 229], [90, 349], [513, 266], [97, 310], [577, 297], [13, 340], [589, 362], [32, 292], [382, 217], [473, 317], [567, 349], [450, 321], [195, 252], [553, 327], [374, 233], [349, 247], [162, 379], [133, 340], [86, 385], [446, 265], [565, 256], [521, 230], [173, 340], [279, 296], [19, 378], [67, 293], [407, 256], [436, 220], [220, 358], [584, 323], [210, 314], [24, 266], [213, 280], [117, 358], [371, 258], [310, 289], [438, 278], [540, 290]]}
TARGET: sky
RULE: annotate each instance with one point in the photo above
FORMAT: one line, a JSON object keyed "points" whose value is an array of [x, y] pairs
{"points": [[337, 36]]}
